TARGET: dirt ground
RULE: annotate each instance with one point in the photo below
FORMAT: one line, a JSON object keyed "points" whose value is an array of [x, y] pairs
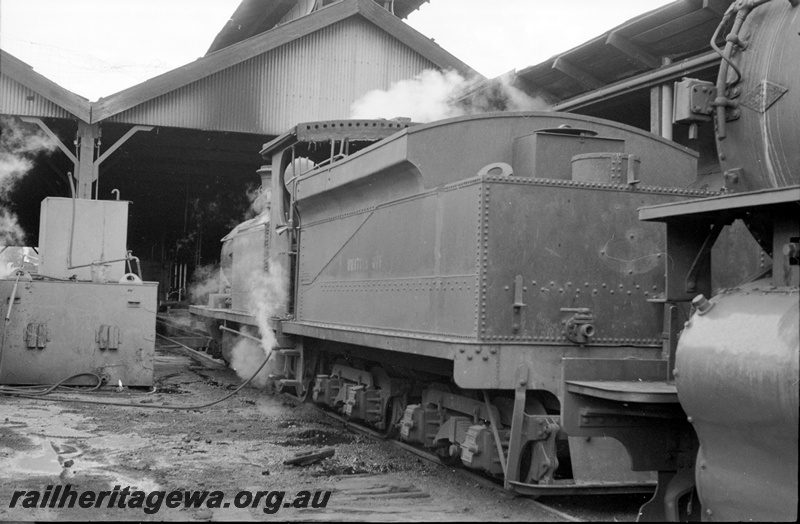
{"points": [[235, 446]]}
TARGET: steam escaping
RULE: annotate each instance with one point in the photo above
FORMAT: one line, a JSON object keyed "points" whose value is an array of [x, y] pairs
{"points": [[247, 355], [206, 280], [10, 232], [14, 258], [260, 199], [268, 292], [427, 97], [499, 94], [434, 95], [19, 146]]}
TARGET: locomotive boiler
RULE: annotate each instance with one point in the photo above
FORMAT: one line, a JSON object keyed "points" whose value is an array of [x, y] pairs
{"points": [[500, 288], [736, 367]]}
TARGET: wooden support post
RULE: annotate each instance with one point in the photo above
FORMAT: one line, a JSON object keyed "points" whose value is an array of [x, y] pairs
{"points": [[87, 134]]}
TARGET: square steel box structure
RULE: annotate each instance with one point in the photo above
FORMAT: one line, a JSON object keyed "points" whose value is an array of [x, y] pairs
{"points": [[82, 232], [58, 329]]}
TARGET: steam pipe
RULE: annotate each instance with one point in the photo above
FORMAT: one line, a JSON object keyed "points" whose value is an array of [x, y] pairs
{"points": [[71, 234], [98, 263], [721, 102], [128, 258], [13, 296], [251, 337], [8, 319], [138, 264], [71, 184]]}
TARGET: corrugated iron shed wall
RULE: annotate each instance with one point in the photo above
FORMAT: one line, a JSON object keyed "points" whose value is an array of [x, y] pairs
{"points": [[315, 77], [19, 100]]}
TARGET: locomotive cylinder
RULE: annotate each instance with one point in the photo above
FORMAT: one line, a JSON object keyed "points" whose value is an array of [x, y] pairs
{"points": [[737, 381]]}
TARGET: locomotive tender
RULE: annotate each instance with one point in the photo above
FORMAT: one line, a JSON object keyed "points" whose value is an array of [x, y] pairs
{"points": [[499, 288]]}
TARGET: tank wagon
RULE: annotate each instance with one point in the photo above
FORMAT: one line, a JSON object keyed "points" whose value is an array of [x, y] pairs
{"points": [[501, 288]]}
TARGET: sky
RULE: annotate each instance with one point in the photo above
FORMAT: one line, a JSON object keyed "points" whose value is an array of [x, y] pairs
{"points": [[96, 48]]}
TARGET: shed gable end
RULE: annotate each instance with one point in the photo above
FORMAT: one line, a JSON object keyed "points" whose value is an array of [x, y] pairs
{"points": [[317, 76]]}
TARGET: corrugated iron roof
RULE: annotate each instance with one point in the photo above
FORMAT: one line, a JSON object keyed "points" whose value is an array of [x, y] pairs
{"points": [[648, 42], [254, 17], [316, 76], [260, 44], [23, 75]]}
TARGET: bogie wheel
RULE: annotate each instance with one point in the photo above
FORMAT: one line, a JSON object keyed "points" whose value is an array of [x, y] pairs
{"points": [[395, 409], [310, 366], [448, 455]]}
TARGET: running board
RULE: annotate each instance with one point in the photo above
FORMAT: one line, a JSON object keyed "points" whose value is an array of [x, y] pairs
{"points": [[633, 402]]}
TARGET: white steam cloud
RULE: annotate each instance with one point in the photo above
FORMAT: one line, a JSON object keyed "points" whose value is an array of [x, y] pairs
{"points": [[205, 280], [10, 232], [260, 199], [434, 95], [268, 293], [14, 258], [19, 147], [246, 356]]}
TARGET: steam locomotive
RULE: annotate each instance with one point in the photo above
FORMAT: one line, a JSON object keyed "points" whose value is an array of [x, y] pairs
{"points": [[500, 288]]}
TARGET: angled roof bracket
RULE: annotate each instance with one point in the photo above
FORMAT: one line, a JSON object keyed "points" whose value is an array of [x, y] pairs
{"points": [[53, 136], [638, 55], [579, 75]]}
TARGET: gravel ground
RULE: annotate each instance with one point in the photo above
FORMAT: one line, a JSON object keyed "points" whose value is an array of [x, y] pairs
{"points": [[238, 445]]}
